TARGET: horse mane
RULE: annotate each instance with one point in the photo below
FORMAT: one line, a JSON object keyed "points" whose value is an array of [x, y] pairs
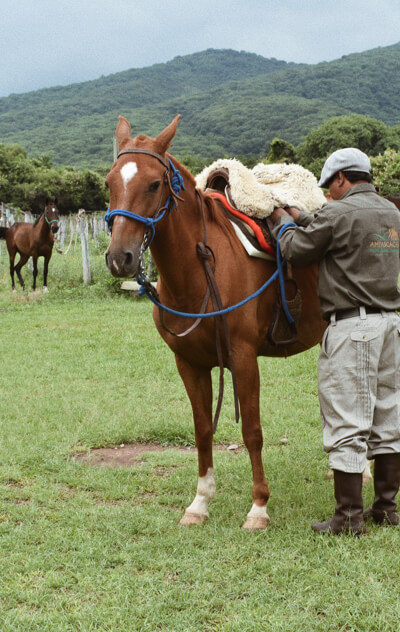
{"points": [[210, 204], [37, 220]]}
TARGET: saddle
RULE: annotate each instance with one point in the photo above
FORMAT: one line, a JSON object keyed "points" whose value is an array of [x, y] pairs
{"points": [[258, 233]]}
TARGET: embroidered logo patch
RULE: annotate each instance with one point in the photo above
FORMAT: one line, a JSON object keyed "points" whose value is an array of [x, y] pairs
{"points": [[384, 243]]}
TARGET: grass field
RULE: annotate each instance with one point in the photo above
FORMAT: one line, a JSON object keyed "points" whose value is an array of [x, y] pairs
{"points": [[87, 548]]}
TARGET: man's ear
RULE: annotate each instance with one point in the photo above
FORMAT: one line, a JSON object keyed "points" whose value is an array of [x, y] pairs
{"points": [[339, 177]]}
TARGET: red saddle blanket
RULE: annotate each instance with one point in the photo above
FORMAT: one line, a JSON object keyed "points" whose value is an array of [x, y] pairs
{"points": [[252, 223]]}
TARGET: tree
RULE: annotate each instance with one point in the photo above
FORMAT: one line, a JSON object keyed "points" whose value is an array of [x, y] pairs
{"points": [[26, 183], [386, 172], [364, 132], [281, 151]]}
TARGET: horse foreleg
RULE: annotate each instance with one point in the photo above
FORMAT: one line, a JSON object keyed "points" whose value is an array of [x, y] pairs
{"points": [[248, 383], [45, 271], [199, 389], [35, 272]]}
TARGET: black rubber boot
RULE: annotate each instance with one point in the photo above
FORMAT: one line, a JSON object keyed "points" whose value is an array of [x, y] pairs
{"points": [[386, 484], [348, 517]]}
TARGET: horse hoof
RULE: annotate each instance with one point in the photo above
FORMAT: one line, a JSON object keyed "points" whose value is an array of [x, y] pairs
{"points": [[256, 523], [191, 519]]}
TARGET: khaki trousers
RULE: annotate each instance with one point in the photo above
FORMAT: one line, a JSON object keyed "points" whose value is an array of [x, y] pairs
{"points": [[359, 389]]}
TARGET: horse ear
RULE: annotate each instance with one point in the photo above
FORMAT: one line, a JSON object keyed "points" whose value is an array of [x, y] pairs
{"points": [[123, 131], [164, 139]]}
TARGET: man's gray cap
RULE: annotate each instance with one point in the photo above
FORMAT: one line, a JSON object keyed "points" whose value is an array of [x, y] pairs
{"points": [[349, 159]]}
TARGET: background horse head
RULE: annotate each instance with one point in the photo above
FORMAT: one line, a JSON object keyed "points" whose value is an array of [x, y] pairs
{"points": [[32, 240], [154, 200]]}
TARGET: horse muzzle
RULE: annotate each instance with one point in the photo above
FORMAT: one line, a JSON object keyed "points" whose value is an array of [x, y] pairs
{"points": [[54, 228], [122, 263]]}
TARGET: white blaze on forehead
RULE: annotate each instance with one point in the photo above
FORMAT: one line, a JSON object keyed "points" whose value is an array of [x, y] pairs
{"points": [[128, 171]]}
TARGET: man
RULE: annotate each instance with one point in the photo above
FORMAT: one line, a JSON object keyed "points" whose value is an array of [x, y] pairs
{"points": [[355, 239]]}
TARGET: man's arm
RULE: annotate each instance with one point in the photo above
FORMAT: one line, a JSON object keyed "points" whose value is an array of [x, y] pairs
{"points": [[305, 244], [298, 216]]}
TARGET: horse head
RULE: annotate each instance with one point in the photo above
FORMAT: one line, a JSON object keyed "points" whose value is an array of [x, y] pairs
{"points": [[140, 191], [51, 215]]}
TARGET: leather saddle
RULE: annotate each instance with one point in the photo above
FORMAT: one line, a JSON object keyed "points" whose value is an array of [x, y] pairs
{"points": [[258, 231]]}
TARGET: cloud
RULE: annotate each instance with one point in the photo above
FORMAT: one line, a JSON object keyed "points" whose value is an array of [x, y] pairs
{"points": [[46, 43]]}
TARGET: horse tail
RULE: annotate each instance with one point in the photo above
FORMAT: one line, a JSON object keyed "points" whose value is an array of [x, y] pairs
{"points": [[3, 230]]}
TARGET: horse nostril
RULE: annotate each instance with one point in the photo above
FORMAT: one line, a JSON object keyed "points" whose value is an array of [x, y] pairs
{"points": [[128, 258]]}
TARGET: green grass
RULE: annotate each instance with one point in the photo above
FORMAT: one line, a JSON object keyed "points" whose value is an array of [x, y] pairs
{"points": [[98, 549]]}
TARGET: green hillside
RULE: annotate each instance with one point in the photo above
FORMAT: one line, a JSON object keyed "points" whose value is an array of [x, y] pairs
{"points": [[232, 103]]}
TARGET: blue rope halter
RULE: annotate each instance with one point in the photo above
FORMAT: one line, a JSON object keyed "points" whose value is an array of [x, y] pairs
{"points": [[176, 184]]}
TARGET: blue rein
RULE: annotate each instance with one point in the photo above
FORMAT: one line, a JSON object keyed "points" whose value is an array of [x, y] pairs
{"points": [[144, 289]]}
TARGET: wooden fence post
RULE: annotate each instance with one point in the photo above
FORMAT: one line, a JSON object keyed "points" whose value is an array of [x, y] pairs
{"points": [[83, 230]]}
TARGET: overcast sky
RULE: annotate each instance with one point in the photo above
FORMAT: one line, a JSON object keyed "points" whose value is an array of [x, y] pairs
{"points": [[57, 42]]}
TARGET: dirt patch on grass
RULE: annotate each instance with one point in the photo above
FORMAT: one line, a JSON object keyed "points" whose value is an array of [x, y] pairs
{"points": [[129, 455]]}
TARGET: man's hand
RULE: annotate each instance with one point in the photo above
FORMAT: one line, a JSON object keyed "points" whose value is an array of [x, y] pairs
{"points": [[291, 211], [277, 213]]}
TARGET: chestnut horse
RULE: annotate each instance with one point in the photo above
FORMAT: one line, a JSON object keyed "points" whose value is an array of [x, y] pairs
{"points": [[394, 200], [141, 195], [32, 240]]}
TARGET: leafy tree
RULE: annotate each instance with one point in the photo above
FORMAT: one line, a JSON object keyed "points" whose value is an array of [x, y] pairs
{"points": [[26, 183], [355, 130], [386, 172], [281, 151], [81, 189]]}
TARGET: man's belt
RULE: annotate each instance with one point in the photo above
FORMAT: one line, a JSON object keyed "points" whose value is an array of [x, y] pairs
{"points": [[350, 313]]}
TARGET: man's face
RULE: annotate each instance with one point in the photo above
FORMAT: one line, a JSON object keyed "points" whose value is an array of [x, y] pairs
{"points": [[335, 190]]}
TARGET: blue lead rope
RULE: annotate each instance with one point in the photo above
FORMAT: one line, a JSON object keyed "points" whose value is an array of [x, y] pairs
{"points": [[280, 269], [141, 279]]}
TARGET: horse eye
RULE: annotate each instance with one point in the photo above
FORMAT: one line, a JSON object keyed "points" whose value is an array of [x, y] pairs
{"points": [[154, 186]]}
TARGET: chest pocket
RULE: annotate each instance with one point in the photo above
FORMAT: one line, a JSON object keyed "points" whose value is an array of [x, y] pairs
{"points": [[363, 336]]}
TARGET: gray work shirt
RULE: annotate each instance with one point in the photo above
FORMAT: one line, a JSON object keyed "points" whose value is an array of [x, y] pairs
{"points": [[356, 242]]}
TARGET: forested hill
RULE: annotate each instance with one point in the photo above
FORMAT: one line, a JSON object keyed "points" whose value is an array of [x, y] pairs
{"points": [[231, 104], [138, 87]]}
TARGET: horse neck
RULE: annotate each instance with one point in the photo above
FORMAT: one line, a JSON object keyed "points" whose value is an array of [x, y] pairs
{"points": [[176, 237], [42, 229]]}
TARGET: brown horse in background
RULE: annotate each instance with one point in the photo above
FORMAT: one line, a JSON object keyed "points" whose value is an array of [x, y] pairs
{"points": [[394, 200], [32, 240], [140, 181]]}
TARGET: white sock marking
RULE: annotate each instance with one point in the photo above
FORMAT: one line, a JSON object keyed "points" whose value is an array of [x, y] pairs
{"points": [[258, 512], [205, 493]]}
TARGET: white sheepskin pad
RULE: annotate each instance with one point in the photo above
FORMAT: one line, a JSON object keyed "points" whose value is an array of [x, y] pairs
{"points": [[258, 191]]}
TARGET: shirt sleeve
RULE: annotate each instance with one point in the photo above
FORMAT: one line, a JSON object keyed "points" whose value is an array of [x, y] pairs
{"points": [[302, 245], [304, 219]]}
